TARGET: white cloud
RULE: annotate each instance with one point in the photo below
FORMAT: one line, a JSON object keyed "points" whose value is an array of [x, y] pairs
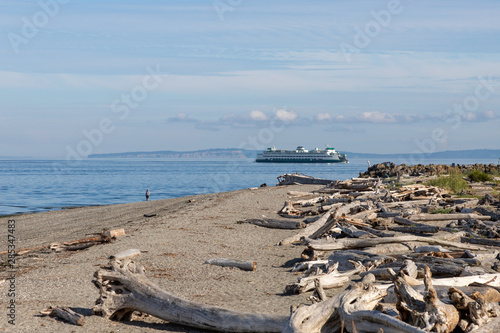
{"points": [[323, 117], [377, 117], [182, 117], [258, 115], [470, 116], [489, 114], [287, 116]]}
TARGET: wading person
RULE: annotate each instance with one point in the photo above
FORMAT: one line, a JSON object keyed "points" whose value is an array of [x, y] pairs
{"points": [[147, 195]]}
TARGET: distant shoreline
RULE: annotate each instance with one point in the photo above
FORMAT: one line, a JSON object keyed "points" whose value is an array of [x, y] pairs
{"points": [[493, 154]]}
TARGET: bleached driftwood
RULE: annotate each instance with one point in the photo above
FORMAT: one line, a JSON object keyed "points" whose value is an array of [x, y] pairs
{"points": [[65, 314], [329, 280], [406, 203], [477, 308], [289, 210], [79, 244], [124, 288], [27, 250], [127, 254], [326, 316], [428, 229], [307, 265], [424, 311], [357, 315], [408, 222], [346, 209], [354, 232], [462, 281], [308, 202], [299, 194], [349, 243], [114, 233], [276, 224], [481, 241], [376, 232], [315, 318], [319, 290], [244, 265], [332, 278], [104, 237], [309, 230], [445, 217], [329, 224]]}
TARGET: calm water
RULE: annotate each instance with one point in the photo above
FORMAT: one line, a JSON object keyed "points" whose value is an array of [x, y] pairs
{"points": [[41, 185]]}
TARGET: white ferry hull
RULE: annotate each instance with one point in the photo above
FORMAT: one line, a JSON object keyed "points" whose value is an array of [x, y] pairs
{"points": [[300, 155]]}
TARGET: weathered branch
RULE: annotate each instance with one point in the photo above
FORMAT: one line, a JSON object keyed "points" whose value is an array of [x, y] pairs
{"points": [[446, 217], [309, 230], [347, 243], [124, 288], [275, 223], [244, 265], [65, 314]]}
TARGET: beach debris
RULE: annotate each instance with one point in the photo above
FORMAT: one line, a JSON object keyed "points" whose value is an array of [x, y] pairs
{"points": [[448, 217], [309, 229], [80, 244], [352, 309], [127, 254], [125, 288], [328, 277], [114, 233], [425, 311], [243, 265], [65, 314], [289, 210], [432, 234], [356, 243]]}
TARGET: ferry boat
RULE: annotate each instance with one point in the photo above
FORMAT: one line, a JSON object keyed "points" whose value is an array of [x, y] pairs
{"points": [[301, 155]]}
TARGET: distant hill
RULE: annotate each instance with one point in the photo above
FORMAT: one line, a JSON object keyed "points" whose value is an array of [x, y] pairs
{"points": [[492, 154], [206, 153]]}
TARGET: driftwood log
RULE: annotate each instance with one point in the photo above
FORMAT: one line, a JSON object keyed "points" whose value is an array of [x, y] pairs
{"points": [[289, 211], [475, 309], [332, 278], [309, 230], [65, 314], [124, 288], [275, 223], [347, 243], [351, 306], [445, 217], [316, 318], [244, 265], [424, 311], [79, 244], [127, 254], [357, 315]]}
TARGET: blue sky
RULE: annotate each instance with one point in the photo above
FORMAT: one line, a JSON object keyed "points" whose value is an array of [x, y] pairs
{"points": [[79, 77]]}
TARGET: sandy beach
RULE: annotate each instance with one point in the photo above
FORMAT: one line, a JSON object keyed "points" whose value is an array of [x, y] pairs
{"points": [[175, 244]]}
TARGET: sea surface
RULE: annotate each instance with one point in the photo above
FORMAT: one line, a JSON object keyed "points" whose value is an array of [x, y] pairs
{"points": [[28, 186]]}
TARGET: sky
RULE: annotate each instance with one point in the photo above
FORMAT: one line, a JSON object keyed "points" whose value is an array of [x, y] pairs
{"points": [[84, 77]]}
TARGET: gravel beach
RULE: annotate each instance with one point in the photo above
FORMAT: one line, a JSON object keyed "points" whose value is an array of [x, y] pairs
{"points": [[175, 244]]}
